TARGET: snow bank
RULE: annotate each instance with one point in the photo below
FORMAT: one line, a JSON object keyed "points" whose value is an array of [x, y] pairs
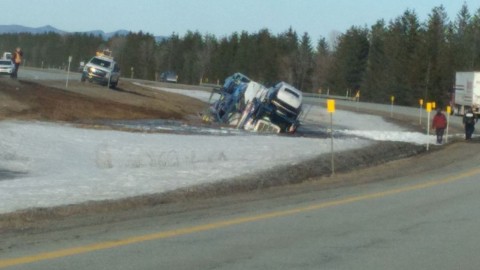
{"points": [[59, 164]]}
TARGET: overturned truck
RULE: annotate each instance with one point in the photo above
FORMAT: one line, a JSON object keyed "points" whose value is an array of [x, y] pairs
{"points": [[249, 105]]}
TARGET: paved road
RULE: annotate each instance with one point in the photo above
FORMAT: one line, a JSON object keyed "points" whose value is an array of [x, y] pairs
{"points": [[46, 74], [421, 219]]}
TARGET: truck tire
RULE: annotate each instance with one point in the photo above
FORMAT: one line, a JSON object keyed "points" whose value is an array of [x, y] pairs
{"points": [[113, 85]]}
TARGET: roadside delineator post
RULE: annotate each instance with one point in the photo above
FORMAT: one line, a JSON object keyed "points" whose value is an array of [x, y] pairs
{"points": [[392, 99], [68, 70], [331, 110], [429, 109], [420, 101], [357, 98], [449, 111]]}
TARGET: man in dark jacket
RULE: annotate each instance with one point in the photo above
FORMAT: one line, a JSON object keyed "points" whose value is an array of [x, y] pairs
{"points": [[17, 60], [469, 120]]}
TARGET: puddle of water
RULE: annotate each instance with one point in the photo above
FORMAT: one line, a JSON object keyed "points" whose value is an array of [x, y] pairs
{"points": [[171, 126], [10, 175], [178, 127]]}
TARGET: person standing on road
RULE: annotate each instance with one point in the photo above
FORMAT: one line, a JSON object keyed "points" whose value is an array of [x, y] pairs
{"points": [[439, 123], [469, 121], [17, 60]]}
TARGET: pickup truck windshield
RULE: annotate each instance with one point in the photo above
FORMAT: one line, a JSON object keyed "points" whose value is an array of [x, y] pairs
{"points": [[100, 62]]}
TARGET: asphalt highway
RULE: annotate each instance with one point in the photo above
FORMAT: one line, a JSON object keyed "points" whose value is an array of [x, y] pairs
{"points": [[420, 219]]}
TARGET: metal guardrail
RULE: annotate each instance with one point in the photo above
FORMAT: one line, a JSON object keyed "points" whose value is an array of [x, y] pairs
{"points": [[323, 96], [213, 85], [307, 95]]}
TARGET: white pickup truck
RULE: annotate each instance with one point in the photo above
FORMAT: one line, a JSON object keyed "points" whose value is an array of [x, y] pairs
{"points": [[7, 55], [102, 69]]}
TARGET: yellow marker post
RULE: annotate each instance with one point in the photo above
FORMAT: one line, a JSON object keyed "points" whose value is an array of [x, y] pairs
{"points": [[392, 99], [449, 111], [429, 109], [330, 105], [434, 105], [421, 106], [331, 110], [357, 99]]}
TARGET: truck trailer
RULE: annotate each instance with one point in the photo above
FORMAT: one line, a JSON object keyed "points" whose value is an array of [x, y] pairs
{"points": [[249, 105], [466, 92]]}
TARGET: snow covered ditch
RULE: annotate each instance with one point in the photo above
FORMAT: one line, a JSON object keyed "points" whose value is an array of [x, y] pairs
{"points": [[48, 164], [60, 164]]}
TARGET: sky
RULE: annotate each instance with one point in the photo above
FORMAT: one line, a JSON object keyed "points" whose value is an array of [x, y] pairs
{"points": [[77, 165], [318, 18]]}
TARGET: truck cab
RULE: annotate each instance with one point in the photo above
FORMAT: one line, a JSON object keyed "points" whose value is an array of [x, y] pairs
{"points": [[7, 55], [102, 69]]}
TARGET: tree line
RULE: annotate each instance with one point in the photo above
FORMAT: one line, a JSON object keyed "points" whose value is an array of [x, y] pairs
{"points": [[404, 58]]}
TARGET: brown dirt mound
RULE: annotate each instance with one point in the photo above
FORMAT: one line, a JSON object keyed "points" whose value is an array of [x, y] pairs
{"points": [[28, 100]]}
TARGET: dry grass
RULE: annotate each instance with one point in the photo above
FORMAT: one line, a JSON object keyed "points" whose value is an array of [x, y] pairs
{"points": [[86, 101]]}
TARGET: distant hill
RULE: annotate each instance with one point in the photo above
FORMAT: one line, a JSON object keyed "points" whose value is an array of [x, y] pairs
{"points": [[13, 29]]}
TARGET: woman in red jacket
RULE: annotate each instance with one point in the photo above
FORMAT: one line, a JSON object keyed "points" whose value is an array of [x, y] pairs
{"points": [[439, 123]]}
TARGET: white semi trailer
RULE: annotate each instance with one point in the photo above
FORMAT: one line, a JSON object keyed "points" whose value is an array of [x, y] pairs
{"points": [[467, 92]]}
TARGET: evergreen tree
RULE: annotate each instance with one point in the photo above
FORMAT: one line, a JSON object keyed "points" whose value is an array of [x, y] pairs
{"points": [[287, 47], [462, 40], [439, 75], [377, 74], [265, 66], [245, 54], [205, 55], [304, 64], [322, 63], [405, 61], [475, 32], [350, 64]]}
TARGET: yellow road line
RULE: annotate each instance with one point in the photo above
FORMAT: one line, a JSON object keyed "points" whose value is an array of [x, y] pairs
{"points": [[226, 223]]}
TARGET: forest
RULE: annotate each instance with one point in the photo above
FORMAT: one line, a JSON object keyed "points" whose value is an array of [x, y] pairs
{"points": [[404, 57]]}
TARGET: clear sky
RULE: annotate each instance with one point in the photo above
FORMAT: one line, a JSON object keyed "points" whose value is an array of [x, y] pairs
{"points": [[319, 18]]}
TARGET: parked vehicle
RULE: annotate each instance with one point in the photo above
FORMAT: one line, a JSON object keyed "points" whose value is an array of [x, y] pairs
{"points": [[169, 76], [249, 105], [102, 69], [467, 92], [7, 55], [6, 67]]}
